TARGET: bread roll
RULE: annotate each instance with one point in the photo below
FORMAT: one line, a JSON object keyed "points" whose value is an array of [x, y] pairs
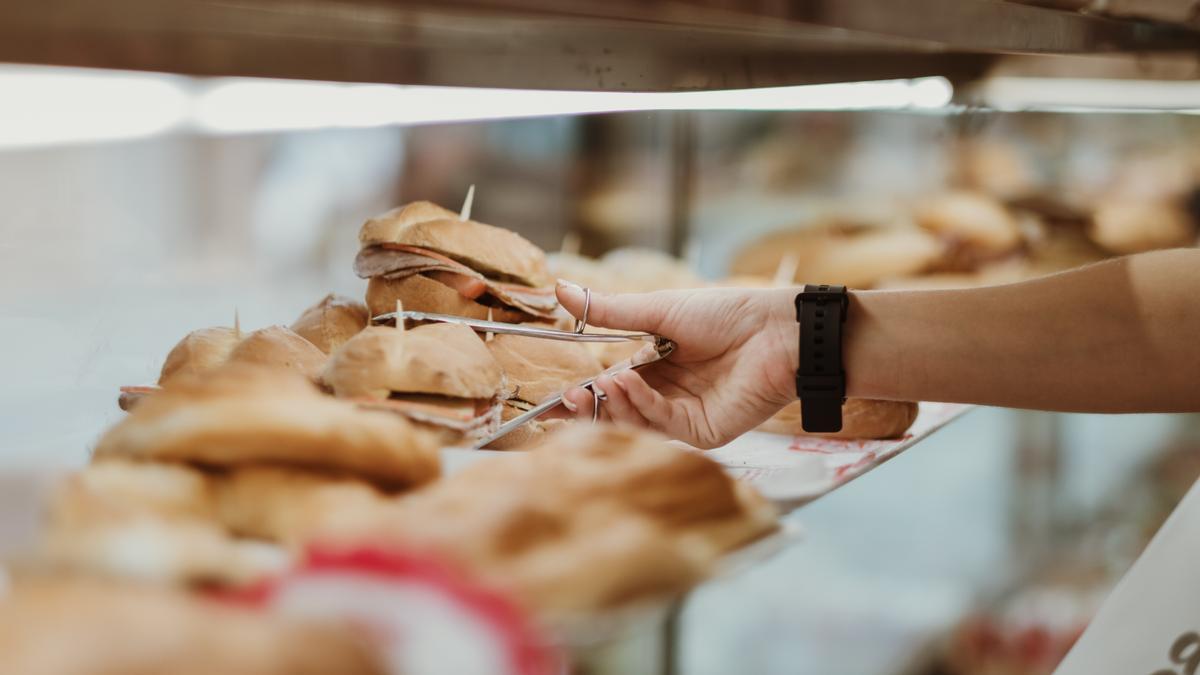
{"points": [[439, 358], [243, 414], [80, 627], [857, 257], [332, 321], [496, 252], [593, 516], [973, 219], [419, 293], [289, 505], [199, 351], [1124, 226], [861, 419], [279, 347]]}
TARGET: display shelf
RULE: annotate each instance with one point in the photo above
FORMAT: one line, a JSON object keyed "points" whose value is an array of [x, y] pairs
{"points": [[792, 471], [578, 44]]}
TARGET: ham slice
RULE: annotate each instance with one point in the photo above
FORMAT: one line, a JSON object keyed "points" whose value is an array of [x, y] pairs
{"points": [[396, 261], [474, 417], [131, 395]]}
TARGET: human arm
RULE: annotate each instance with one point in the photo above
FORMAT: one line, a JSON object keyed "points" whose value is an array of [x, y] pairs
{"points": [[1118, 336]]}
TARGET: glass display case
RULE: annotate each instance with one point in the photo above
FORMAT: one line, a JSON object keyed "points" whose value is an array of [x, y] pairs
{"points": [[167, 165]]}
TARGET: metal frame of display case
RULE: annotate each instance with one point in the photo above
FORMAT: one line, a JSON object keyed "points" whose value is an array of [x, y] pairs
{"points": [[634, 45], [613, 45]]}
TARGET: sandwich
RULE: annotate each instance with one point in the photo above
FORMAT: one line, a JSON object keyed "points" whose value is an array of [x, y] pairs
{"points": [[857, 256], [198, 352], [67, 626], [148, 521], [280, 347], [287, 505], [862, 419], [439, 376], [242, 414], [975, 227], [536, 369], [203, 351], [592, 517], [332, 321], [430, 260]]}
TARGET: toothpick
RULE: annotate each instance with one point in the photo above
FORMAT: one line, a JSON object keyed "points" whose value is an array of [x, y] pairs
{"points": [[487, 337], [691, 253], [237, 324], [465, 213], [399, 319], [572, 243], [785, 273]]}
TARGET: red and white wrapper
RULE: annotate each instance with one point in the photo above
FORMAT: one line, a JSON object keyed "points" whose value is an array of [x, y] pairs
{"points": [[423, 616]]}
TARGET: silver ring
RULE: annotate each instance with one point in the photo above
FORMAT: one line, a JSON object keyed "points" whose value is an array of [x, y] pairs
{"points": [[581, 324]]}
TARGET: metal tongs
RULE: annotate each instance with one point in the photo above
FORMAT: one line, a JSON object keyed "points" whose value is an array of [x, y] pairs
{"points": [[662, 349]]}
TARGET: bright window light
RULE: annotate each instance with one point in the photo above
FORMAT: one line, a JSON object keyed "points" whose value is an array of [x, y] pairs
{"points": [[1085, 95], [41, 106], [45, 106], [241, 105]]}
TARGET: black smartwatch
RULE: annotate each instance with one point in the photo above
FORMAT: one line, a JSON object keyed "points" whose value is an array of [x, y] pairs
{"points": [[821, 378]]}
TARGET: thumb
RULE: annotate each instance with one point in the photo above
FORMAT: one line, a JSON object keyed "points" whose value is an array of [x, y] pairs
{"points": [[627, 311]]}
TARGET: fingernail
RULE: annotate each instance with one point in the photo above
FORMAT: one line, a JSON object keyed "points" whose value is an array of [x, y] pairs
{"points": [[568, 405], [600, 393], [619, 380]]}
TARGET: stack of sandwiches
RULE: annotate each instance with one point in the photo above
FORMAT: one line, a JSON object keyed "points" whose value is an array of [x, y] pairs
{"points": [[430, 260], [439, 376], [592, 517], [253, 446]]}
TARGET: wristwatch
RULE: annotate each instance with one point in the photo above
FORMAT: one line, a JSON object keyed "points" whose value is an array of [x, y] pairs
{"points": [[821, 377]]}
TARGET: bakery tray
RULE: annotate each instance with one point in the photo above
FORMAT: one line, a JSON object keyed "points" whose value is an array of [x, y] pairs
{"points": [[791, 470], [794, 470]]}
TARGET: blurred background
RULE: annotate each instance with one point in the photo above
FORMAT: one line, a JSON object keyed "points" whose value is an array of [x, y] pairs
{"points": [[137, 206]]}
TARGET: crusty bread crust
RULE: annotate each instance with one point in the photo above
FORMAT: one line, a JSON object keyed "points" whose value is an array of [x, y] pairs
{"points": [[279, 346], [72, 626], [386, 227], [116, 491], [861, 419], [972, 218], [440, 358], [330, 322], [418, 293], [287, 505], [243, 414], [199, 351], [593, 516], [496, 252], [537, 369], [857, 258]]}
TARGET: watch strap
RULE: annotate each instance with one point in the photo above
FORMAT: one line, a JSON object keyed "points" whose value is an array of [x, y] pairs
{"points": [[821, 378]]}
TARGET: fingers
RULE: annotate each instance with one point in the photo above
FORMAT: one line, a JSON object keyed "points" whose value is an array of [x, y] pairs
{"points": [[627, 399], [650, 404], [629, 311], [580, 402], [615, 404]]}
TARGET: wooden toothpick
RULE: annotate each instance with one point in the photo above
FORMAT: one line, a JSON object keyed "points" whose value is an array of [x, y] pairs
{"points": [[785, 273], [237, 324], [465, 213], [399, 319], [571, 243], [487, 337]]}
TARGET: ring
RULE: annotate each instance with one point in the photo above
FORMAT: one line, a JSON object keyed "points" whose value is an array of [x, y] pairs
{"points": [[595, 406], [581, 323]]}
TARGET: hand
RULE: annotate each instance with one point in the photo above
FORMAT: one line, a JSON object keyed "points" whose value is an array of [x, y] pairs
{"points": [[734, 366]]}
